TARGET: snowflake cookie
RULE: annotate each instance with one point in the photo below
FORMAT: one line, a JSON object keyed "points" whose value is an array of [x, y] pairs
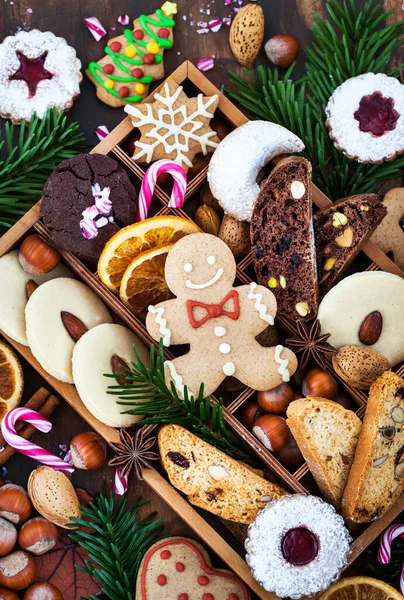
{"points": [[365, 118], [174, 126], [37, 71]]}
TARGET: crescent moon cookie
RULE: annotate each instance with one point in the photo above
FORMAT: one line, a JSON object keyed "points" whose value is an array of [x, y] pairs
{"points": [[389, 235], [37, 71], [365, 116], [235, 164], [49, 339]]}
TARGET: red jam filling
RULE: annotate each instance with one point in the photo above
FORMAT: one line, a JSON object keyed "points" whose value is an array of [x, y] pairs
{"points": [[376, 114], [299, 546], [31, 70]]}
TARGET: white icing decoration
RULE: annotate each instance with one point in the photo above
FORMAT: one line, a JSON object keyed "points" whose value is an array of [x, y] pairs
{"points": [[187, 267], [229, 369], [163, 329], [259, 306], [283, 362], [211, 260], [219, 331], [176, 377], [224, 348], [201, 286]]}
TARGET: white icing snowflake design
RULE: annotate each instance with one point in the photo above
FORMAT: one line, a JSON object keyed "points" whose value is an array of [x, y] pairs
{"points": [[176, 138]]}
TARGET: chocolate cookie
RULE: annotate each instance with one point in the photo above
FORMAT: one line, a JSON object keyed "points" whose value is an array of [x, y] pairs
{"points": [[85, 201]]}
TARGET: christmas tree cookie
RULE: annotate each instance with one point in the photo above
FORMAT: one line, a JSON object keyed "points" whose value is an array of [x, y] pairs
{"points": [[135, 59]]}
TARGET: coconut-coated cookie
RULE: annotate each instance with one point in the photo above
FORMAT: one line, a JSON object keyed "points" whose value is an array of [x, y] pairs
{"points": [[389, 235]]}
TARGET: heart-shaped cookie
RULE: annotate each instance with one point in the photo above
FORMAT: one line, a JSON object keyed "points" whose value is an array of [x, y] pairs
{"points": [[180, 569]]}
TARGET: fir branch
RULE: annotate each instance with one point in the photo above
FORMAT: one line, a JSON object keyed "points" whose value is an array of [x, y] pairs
{"points": [[28, 156], [115, 543], [146, 393]]}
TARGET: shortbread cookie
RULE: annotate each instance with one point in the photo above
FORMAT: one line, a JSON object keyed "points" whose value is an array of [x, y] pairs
{"points": [[133, 60], [98, 352], [283, 240], [86, 200], [220, 322], [365, 116], [174, 126], [211, 479], [340, 230], [13, 295], [389, 235], [48, 337], [357, 298], [37, 71], [178, 568], [235, 165]]}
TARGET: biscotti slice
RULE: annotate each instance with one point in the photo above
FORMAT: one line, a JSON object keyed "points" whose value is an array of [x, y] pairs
{"points": [[283, 240], [376, 478], [340, 231], [327, 434], [211, 479]]}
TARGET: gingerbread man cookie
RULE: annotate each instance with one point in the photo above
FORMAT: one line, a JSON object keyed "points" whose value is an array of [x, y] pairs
{"points": [[218, 321], [389, 235]]}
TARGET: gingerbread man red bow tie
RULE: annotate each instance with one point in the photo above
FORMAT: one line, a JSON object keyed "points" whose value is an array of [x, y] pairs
{"points": [[214, 310]]}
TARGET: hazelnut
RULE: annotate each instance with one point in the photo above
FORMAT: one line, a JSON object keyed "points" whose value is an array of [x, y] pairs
{"points": [[272, 431], [276, 400], [221, 127], [320, 384], [7, 594], [282, 50], [15, 505], [290, 456], [37, 257], [38, 536], [43, 590], [8, 537], [88, 450], [17, 570], [249, 413]]}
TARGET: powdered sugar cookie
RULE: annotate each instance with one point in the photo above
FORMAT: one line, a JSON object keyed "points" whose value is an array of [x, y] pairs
{"points": [[365, 116], [220, 322], [37, 71], [389, 235], [234, 167]]}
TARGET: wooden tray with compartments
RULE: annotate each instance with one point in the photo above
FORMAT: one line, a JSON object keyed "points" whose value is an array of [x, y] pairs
{"points": [[300, 481]]}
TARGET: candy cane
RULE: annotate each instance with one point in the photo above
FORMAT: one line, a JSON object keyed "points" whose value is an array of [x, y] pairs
{"points": [[386, 540], [121, 483], [25, 446], [95, 27], [149, 183]]}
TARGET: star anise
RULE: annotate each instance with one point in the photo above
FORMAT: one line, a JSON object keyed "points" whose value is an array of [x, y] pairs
{"points": [[133, 452], [310, 344]]}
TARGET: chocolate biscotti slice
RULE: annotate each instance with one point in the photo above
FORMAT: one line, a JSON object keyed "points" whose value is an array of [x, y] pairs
{"points": [[376, 479], [340, 231], [283, 240], [211, 479]]}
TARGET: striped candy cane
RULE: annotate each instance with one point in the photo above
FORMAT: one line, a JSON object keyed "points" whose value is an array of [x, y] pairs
{"points": [[25, 446], [149, 183], [386, 540], [121, 483], [95, 27]]}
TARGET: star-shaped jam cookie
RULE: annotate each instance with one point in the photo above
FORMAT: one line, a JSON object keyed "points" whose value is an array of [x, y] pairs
{"points": [[32, 71], [174, 126]]}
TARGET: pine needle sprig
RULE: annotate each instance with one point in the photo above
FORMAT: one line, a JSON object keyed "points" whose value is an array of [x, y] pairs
{"points": [[145, 392], [28, 156], [116, 542]]}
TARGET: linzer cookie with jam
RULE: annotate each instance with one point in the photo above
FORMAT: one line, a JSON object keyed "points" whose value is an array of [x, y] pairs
{"points": [[283, 240], [340, 231]]}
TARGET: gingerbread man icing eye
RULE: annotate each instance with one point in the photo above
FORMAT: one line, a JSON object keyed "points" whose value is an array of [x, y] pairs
{"points": [[211, 260], [187, 267]]}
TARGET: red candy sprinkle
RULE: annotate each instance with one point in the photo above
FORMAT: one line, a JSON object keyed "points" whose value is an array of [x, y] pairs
{"points": [[203, 580], [180, 567], [148, 59], [376, 114], [108, 69], [115, 46], [183, 597], [124, 91], [138, 34], [161, 579], [233, 597], [208, 597], [163, 32], [165, 554], [138, 73], [299, 546]]}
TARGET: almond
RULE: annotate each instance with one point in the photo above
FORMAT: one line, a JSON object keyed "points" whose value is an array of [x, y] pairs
{"points": [[207, 219], [73, 325], [236, 234], [30, 288], [371, 328], [119, 366], [247, 34], [359, 366], [217, 472]]}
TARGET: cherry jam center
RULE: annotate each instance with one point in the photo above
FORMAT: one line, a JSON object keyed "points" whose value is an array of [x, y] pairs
{"points": [[32, 71], [376, 114], [299, 546]]}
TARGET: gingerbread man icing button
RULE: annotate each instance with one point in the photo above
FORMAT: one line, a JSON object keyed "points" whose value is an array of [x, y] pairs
{"points": [[219, 322]]}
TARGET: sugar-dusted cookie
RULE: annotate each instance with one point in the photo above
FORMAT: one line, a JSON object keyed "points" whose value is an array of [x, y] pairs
{"points": [[13, 295], [52, 310], [220, 322], [178, 568], [366, 309], [174, 126], [98, 352], [389, 235]]}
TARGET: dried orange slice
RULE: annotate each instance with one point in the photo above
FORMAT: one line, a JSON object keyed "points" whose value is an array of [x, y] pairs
{"points": [[134, 239], [361, 588], [11, 380], [143, 282]]}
